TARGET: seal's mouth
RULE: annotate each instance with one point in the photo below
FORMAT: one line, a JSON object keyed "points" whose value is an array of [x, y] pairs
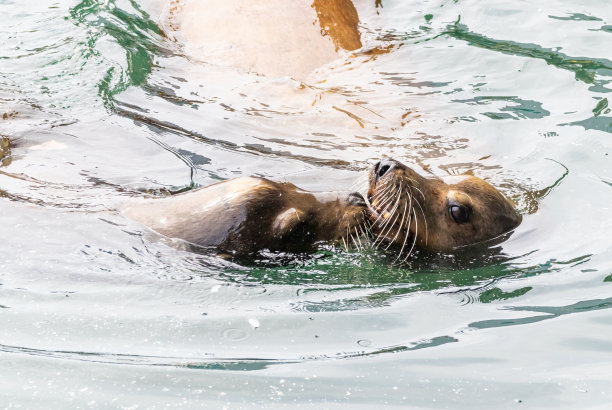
{"points": [[376, 210], [390, 223]]}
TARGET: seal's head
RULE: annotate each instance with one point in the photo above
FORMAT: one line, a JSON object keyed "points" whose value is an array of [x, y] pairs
{"points": [[410, 210]]}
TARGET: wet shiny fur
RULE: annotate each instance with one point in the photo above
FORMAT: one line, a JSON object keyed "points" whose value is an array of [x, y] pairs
{"points": [[244, 215], [410, 211]]}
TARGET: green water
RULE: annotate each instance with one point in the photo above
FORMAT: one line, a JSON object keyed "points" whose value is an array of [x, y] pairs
{"points": [[102, 108]]}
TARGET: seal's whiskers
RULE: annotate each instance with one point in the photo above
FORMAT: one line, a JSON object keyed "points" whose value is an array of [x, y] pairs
{"points": [[383, 206], [420, 192], [364, 230], [361, 184], [399, 229], [385, 187], [354, 242], [388, 223], [383, 197], [381, 214], [388, 211], [404, 206], [407, 208], [360, 247], [344, 241], [416, 231], [391, 225], [405, 237], [424, 219]]}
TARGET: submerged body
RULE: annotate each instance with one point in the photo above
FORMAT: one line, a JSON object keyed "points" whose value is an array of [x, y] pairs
{"points": [[409, 210], [245, 215], [272, 37]]}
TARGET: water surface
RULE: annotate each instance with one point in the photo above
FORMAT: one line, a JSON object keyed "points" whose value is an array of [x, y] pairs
{"points": [[103, 108]]}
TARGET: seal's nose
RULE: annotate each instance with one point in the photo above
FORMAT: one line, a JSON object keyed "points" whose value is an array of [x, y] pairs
{"points": [[384, 167]]}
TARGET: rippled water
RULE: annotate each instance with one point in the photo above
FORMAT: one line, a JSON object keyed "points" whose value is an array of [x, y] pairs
{"points": [[103, 108]]}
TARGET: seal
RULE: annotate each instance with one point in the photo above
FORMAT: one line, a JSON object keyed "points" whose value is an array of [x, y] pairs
{"points": [[273, 37], [409, 210], [244, 215]]}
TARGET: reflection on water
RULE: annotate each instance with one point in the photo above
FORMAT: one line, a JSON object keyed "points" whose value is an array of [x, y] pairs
{"points": [[552, 312], [585, 69], [521, 109], [101, 107], [132, 30]]}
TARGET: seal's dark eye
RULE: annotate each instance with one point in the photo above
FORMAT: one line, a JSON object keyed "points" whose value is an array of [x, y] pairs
{"points": [[459, 213]]}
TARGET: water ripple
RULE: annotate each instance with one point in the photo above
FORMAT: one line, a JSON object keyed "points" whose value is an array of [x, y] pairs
{"points": [[585, 69]]}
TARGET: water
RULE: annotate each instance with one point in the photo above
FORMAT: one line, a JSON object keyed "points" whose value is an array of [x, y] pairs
{"points": [[102, 108]]}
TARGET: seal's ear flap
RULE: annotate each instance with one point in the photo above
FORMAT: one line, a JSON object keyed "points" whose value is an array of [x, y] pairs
{"points": [[287, 221]]}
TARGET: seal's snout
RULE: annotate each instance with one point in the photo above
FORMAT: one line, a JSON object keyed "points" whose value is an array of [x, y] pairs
{"points": [[384, 167], [356, 199]]}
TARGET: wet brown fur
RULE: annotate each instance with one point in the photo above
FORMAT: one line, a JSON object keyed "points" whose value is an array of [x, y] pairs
{"points": [[247, 214], [409, 210]]}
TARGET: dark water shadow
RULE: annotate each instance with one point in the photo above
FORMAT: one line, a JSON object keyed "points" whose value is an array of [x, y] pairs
{"points": [[602, 123], [598, 121], [585, 69], [211, 362], [576, 17], [207, 362], [519, 108], [552, 312], [159, 127], [135, 33], [471, 272], [333, 265], [474, 284]]}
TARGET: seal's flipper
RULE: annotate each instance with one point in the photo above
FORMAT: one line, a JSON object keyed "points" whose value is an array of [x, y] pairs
{"points": [[287, 221]]}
